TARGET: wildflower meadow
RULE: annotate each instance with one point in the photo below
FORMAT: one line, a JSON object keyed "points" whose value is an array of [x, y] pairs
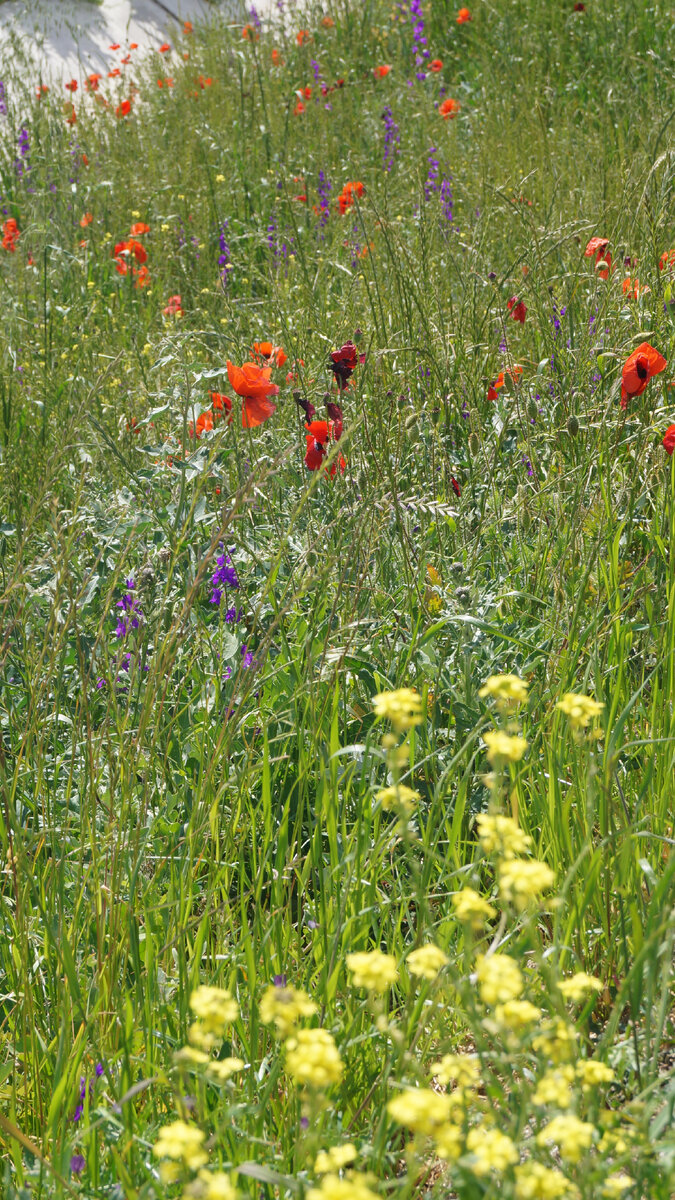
{"points": [[337, 581]]}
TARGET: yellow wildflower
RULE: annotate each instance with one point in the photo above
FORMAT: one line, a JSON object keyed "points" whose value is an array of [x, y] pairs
{"points": [[398, 797], [579, 986], [402, 707], [181, 1142], [556, 1040], [491, 1150], [522, 880], [427, 961], [517, 1014], [501, 835], [352, 1187], [223, 1068], [313, 1059], [335, 1158], [592, 1073], [191, 1056], [572, 1136], [373, 970], [555, 1087], [616, 1185], [210, 1185], [472, 909], [505, 689], [462, 1069], [580, 709], [214, 1007], [449, 1141], [499, 978], [420, 1109], [504, 747], [283, 1007], [536, 1182]]}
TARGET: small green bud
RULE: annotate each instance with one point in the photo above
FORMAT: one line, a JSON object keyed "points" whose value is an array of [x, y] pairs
{"points": [[572, 425]]}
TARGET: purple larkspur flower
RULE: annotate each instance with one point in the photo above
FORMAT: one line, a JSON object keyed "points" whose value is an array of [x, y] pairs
{"points": [[77, 1164], [3, 100], [392, 138], [280, 981], [323, 188], [224, 256], [224, 576], [131, 615]]}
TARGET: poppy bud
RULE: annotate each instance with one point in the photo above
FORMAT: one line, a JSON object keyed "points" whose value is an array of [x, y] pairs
{"points": [[572, 425], [402, 401], [435, 415], [357, 337], [474, 444], [312, 558], [532, 409], [326, 398], [411, 421], [527, 519], [297, 396]]}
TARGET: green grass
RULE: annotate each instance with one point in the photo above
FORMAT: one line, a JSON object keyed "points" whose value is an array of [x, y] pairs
{"points": [[185, 816]]}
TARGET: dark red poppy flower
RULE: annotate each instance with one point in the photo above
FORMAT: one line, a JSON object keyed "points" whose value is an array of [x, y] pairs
{"points": [[517, 309], [669, 439], [318, 437], [305, 404], [343, 363], [455, 486], [335, 413], [638, 369], [579, 7], [603, 261], [72, 86]]}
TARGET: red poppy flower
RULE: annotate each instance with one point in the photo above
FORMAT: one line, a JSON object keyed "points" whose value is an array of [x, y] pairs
{"points": [[631, 287], [463, 15], [667, 259], [270, 353], [10, 235], [638, 369], [115, 46], [126, 60], [349, 191], [319, 435], [187, 27], [343, 363], [72, 86], [42, 90], [139, 229], [302, 36], [204, 81], [276, 57], [449, 108], [517, 309], [328, 22], [86, 219], [579, 7], [335, 413], [123, 109], [114, 73], [252, 383], [220, 403], [142, 278], [598, 246], [174, 307], [85, 160], [669, 439], [455, 486], [164, 48], [299, 109], [436, 64], [91, 82], [380, 72], [72, 119], [133, 45], [494, 387]]}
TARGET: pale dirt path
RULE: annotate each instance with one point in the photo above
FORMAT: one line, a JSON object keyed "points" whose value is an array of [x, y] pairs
{"points": [[65, 39]]}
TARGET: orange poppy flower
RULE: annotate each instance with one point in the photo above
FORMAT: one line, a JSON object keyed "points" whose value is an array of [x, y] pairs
{"points": [[126, 60], [631, 287], [114, 73], [142, 278], [115, 46], [494, 387], [669, 439], [667, 259], [86, 219], [270, 353], [517, 309], [302, 36], [276, 57], [123, 109], [350, 190], [187, 27], [299, 109], [598, 247], [42, 90], [250, 33], [72, 86], [91, 82], [463, 15], [328, 22], [10, 234], [164, 48], [85, 161], [638, 369], [380, 72], [133, 45], [436, 64], [72, 119], [449, 107], [138, 229], [252, 383], [204, 81]]}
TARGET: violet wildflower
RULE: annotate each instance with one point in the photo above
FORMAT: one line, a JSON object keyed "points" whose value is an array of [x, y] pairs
{"points": [[224, 256], [225, 576], [431, 182], [22, 163], [255, 19], [77, 1164], [131, 615], [3, 100], [323, 188], [392, 138]]}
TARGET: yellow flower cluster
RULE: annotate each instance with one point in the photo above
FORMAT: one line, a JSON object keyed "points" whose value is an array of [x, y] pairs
{"points": [[183, 1144], [505, 689], [210, 1185], [472, 909], [373, 970], [499, 978], [517, 1014], [522, 880], [427, 961], [353, 1187], [215, 1009], [398, 797], [491, 1150], [555, 1087], [402, 707], [334, 1159], [501, 835], [283, 1007], [462, 1069], [312, 1058], [571, 1135], [420, 1109], [580, 710], [504, 747], [579, 986], [537, 1182]]}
